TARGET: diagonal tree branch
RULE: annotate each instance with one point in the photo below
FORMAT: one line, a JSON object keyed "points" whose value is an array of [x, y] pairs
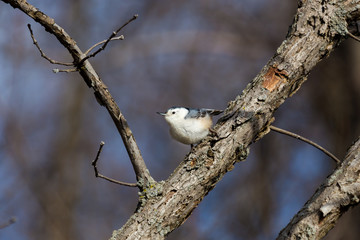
{"points": [[335, 196], [319, 26], [91, 78]]}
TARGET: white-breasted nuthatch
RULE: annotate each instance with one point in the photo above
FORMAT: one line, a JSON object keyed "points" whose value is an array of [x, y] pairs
{"points": [[188, 125]]}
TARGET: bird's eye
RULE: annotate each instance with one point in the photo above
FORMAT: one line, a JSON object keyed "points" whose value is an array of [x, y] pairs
{"points": [[173, 112]]}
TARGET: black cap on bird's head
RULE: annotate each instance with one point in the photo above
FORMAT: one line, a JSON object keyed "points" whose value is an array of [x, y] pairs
{"points": [[172, 110]]}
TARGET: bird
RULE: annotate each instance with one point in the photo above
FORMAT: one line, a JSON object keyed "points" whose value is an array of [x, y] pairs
{"points": [[189, 125]]}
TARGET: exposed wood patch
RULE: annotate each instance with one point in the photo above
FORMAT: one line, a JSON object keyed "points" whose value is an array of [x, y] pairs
{"points": [[273, 77]]}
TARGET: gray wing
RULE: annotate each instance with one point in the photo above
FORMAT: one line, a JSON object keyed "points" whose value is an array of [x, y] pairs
{"points": [[212, 112], [197, 113]]}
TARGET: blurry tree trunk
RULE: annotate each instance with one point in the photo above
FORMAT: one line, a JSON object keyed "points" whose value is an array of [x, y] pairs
{"points": [[319, 26]]}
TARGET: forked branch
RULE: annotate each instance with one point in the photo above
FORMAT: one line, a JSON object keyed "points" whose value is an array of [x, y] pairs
{"points": [[121, 37], [105, 43], [92, 80], [97, 174]]}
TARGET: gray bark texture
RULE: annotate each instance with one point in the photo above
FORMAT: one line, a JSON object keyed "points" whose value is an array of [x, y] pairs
{"points": [[318, 27], [339, 192]]}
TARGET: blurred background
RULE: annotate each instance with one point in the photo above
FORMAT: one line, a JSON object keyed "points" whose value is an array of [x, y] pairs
{"points": [[177, 53]]}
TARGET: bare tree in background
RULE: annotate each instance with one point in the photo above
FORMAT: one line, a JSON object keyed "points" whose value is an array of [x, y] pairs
{"points": [[164, 206]]}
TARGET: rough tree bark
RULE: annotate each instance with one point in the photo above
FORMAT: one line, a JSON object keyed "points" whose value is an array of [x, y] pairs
{"points": [[319, 26], [335, 196]]}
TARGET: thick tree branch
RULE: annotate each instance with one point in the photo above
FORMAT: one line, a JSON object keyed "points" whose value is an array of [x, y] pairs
{"points": [[319, 26], [334, 197], [91, 78]]}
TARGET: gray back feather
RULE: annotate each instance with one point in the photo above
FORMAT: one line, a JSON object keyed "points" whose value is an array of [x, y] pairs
{"points": [[202, 112]]}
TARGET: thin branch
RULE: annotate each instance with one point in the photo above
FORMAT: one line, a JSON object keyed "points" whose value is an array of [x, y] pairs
{"points": [[8, 223], [42, 53], [93, 81], [121, 37], [294, 135], [97, 174], [353, 36], [57, 70], [113, 34]]}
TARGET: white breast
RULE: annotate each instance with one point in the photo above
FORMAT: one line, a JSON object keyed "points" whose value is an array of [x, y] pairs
{"points": [[191, 130]]}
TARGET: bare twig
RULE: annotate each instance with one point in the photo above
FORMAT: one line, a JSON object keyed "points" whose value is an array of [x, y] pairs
{"points": [[121, 37], [97, 174], [113, 34], [294, 135], [353, 36], [43, 54], [93, 80], [57, 70], [8, 223]]}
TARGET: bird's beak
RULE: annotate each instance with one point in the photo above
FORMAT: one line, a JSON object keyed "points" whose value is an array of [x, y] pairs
{"points": [[161, 113]]}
